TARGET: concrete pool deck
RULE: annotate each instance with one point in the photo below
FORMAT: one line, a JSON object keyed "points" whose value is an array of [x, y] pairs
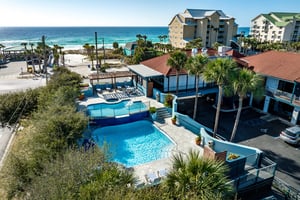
{"points": [[184, 139]]}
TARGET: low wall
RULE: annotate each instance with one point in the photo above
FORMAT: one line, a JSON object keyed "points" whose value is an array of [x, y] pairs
{"points": [[120, 119], [252, 154]]}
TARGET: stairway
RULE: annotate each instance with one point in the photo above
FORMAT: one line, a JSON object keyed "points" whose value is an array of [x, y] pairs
{"points": [[162, 113]]}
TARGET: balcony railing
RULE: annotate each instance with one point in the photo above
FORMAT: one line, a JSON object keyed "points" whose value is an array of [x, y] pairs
{"points": [[254, 176], [284, 95]]}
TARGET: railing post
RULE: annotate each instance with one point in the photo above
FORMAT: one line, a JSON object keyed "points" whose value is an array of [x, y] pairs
{"points": [[257, 174]]}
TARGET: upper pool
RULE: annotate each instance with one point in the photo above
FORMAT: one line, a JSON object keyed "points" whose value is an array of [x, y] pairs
{"points": [[124, 107], [134, 143]]}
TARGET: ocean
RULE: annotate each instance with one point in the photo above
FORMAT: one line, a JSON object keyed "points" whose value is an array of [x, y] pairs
{"points": [[76, 37]]}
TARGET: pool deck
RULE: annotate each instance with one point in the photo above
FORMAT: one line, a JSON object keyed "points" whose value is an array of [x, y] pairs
{"points": [[184, 139]]}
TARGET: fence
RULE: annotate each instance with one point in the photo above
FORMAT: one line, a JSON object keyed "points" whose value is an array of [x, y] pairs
{"points": [[254, 176]]}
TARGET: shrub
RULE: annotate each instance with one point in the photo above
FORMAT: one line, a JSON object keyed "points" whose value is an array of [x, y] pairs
{"points": [[152, 110], [168, 100]]}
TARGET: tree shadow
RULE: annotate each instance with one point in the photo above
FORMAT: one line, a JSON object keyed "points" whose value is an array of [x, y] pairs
{"points": [[285, 165]]}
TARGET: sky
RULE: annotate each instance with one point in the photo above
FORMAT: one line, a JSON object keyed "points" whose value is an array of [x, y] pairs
{"points": [[129, 12]]}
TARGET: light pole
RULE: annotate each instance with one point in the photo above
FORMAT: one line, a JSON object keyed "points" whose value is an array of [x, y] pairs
{"points": [[97, 64], [44, 51]]}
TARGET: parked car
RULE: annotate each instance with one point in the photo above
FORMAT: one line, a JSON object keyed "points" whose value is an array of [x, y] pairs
{"points": [[291, 135]]}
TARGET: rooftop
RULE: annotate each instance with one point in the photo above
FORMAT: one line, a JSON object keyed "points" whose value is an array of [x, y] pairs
{"points": [[281, 18], [283, 65]]}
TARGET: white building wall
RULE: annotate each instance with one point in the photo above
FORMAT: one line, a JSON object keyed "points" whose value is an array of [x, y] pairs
{"points": [[182, 82]]}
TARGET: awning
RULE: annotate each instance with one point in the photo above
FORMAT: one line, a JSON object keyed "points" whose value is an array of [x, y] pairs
{"points": [[144, 71]]}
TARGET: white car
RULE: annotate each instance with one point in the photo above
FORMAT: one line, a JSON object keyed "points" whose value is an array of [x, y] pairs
{"points": [[291, 135]]}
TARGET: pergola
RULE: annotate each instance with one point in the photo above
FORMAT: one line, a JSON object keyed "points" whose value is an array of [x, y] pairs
{"points": [[111, 75]]}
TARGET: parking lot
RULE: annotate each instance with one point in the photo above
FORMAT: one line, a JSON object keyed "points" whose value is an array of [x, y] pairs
{"points": [[254, 130]]}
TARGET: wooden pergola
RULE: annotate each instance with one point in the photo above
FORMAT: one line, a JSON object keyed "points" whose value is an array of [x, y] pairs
{"points": [[111, 75]]}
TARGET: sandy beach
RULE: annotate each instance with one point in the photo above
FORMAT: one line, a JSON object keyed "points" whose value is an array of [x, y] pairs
{"points": [[11, 79]]}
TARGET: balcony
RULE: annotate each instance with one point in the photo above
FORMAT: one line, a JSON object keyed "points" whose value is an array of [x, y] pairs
{"points": [[285, 96]]}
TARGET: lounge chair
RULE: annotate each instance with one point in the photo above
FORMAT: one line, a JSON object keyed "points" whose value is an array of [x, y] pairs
{"points": [[99, 90], [162, 173], [152, 178], [108, 89]]}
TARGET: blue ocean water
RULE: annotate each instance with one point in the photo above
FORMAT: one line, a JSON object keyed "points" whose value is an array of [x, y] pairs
{"points": [[76, 37]]}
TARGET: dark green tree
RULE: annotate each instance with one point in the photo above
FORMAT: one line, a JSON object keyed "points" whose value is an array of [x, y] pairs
{"points": [[195, 66], [219, 71]]}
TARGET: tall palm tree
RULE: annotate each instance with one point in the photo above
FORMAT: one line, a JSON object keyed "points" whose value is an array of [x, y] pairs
{"points": [[177, 61], [195, 65], [243, 82], [194, 177], [92, 55], [25, 53], [164, 37], [219, 71], [2, 47]]}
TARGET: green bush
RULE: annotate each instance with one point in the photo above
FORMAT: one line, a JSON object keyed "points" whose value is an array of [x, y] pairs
{"points": [[152, 110], [168, 100]]}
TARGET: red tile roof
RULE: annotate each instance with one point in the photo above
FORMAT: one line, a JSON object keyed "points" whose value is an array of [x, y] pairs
{"points": [[160, 63], [283, 65]]}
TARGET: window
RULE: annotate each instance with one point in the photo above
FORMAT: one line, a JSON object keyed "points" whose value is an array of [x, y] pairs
{"points": [[271, 27], [285, 86], [279, 32]]}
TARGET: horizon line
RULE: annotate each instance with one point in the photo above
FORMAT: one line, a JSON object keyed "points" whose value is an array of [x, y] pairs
{"points": [[137, 26]]}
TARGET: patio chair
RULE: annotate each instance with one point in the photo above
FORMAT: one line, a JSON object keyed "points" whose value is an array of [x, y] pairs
{"points": [[162, 173], [109, 89], [152, 179], [99, 90]]}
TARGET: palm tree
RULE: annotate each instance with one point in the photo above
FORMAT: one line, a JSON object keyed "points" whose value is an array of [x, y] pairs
{"points": [[139, 36], [195, 43], [219, 71], [195, 65], [164, 37], [2, 47], [243, 82], [25, 52], [177, 61], [92, 55], [160, 37], [194, 177]]}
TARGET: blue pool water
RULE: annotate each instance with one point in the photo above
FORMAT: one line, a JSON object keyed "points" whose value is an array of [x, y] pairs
{"points": [[134, 143], [124, 107]]}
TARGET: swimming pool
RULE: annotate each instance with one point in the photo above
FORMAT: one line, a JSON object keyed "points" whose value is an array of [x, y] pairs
{"points": [[134, 143], [124, 107]]}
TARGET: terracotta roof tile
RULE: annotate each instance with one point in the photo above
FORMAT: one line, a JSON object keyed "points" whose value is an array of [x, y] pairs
{"points": [[160, 63], [283, 65]]}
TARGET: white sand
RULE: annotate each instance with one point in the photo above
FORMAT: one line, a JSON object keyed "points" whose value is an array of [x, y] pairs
{"points": [[76, 60], [10, 76]]}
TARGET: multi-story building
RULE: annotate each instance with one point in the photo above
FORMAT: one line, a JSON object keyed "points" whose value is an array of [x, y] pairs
{"points": [[282, 82], [276, 27], [209, 25]]}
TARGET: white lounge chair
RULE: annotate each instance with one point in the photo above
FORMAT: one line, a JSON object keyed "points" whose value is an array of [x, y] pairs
{"points": [[162, 173], [152, 178]]}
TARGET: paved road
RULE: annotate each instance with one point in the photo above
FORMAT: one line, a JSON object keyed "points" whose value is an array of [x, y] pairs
{"points": [[5, 135], [11, 80]]}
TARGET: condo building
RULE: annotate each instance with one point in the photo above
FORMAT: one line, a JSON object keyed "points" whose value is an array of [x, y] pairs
{"points": [[210, 25], [276, 27]]}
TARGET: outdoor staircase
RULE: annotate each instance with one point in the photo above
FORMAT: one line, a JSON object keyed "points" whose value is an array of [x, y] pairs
{"points": [[162, 113]]}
